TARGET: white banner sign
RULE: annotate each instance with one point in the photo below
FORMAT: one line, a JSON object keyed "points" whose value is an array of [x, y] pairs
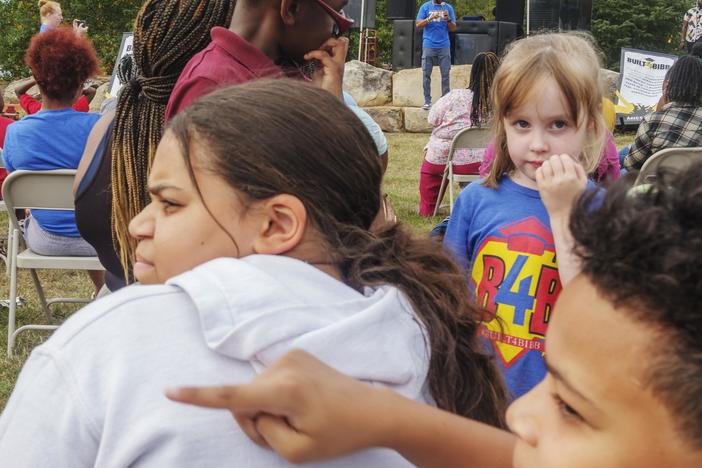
{"points": [[124, 49], [640, 83]]}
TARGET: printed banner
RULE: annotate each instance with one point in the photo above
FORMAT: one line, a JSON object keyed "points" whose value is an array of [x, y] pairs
{"points": [[124, 49], [640, 83]]}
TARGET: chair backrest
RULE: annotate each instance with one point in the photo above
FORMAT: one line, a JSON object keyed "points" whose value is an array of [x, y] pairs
{"points": [[668, 162], [46, 190], [471, 137]]}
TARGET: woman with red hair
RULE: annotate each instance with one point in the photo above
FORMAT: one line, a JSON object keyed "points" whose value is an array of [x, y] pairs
{"points": [[55, 137]]}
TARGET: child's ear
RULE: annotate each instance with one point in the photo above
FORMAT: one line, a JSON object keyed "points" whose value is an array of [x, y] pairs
{"points": [[283, 219]]}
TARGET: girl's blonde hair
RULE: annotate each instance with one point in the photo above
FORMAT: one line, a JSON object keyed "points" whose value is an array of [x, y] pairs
{"points": [[46, 7], [571, 60]]}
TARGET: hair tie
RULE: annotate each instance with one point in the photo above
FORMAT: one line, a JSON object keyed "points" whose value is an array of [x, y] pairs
{"points": [[136, 85]]}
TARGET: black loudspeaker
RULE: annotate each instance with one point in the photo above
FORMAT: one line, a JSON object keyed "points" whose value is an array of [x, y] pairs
{"points": [[467, 46], [473, 37], [353, 11], [401, 9], [563, 15], [403, 44], [469, 39], [510, 10]]}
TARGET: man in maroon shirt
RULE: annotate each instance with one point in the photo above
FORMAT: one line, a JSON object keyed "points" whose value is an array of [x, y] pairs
{"points": [[268, 38]]}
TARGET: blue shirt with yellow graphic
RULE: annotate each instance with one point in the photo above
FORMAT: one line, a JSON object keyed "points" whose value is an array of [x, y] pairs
{"points": [[502, 237]]}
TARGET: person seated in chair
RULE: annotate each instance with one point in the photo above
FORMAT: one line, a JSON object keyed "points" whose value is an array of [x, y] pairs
{"points": [[459, 109], [677, 123], [55, 137]]}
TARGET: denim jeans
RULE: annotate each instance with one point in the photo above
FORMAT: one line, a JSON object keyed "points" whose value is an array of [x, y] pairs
{"points": [[429, 57]]}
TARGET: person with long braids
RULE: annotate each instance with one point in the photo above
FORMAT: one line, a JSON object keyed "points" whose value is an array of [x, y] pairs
{"points": [[459, 109], [110, 186]]}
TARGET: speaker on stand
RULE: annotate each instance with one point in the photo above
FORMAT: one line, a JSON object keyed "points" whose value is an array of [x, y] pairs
{"points": [[510, 10], [401, 9], [353, 11]]}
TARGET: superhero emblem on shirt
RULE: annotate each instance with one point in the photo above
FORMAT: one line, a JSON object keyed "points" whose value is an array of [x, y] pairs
{"points": [[516, 277]]}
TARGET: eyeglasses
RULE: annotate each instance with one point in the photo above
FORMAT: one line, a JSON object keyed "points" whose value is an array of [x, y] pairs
{"points": [[342, 23]]}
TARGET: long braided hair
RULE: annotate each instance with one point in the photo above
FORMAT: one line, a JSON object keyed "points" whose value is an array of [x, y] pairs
{"points": [[167, 33], [482, 73]]}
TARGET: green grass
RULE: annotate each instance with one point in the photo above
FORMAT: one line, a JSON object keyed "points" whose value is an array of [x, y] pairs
{"points": [[55, 283], [401, 183]]}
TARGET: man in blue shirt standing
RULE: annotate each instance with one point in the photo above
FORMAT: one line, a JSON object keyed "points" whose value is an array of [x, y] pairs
{"points": [[437, 18]]}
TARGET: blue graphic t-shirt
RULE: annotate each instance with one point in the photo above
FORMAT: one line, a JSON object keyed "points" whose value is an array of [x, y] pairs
{"points": [[436, 31], [502, 237], [51, 139]]}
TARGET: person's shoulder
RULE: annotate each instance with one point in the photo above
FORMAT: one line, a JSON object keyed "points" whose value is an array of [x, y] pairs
{"points": [[84, 121], [96, 321], [26, 122], [87, 116], [476, 191]]}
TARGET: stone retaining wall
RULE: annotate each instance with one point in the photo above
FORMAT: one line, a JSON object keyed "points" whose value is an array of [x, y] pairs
{"points": [[394, 100]]}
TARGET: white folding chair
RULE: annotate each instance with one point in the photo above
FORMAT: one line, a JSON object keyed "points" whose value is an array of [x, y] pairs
{"points": [[48, 190], [667, 162], [468, 138]]}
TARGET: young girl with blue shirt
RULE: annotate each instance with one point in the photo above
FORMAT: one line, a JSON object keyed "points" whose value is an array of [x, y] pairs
{"points": [[510, 232]]}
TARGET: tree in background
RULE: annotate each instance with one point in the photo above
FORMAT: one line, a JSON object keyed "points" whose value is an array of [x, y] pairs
{"points": [[106, 19], [640, 24]]}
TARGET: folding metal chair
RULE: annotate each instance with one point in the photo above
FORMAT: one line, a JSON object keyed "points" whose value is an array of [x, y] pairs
{"points": [[668, 162], [468, 138], [48, 190]]}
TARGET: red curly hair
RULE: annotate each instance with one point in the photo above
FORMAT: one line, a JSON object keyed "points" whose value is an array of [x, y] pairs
{"points": [[61, 61]]}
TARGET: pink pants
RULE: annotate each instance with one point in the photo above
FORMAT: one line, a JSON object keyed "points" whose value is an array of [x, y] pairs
{"points": [[430, 182]]}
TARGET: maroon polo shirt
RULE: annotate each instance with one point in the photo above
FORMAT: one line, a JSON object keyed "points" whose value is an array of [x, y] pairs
{"points": [[227, 60]]}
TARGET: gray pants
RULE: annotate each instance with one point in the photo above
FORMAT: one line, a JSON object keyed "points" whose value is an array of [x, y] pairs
{"points": [[46, 243], [429, 58]]}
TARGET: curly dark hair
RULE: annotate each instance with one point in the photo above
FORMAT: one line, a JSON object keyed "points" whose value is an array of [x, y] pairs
{"points": [[642, 249], [61, 61]]}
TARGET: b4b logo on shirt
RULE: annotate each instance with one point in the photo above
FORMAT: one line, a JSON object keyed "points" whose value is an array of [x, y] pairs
{"points": [[516, 277]]}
